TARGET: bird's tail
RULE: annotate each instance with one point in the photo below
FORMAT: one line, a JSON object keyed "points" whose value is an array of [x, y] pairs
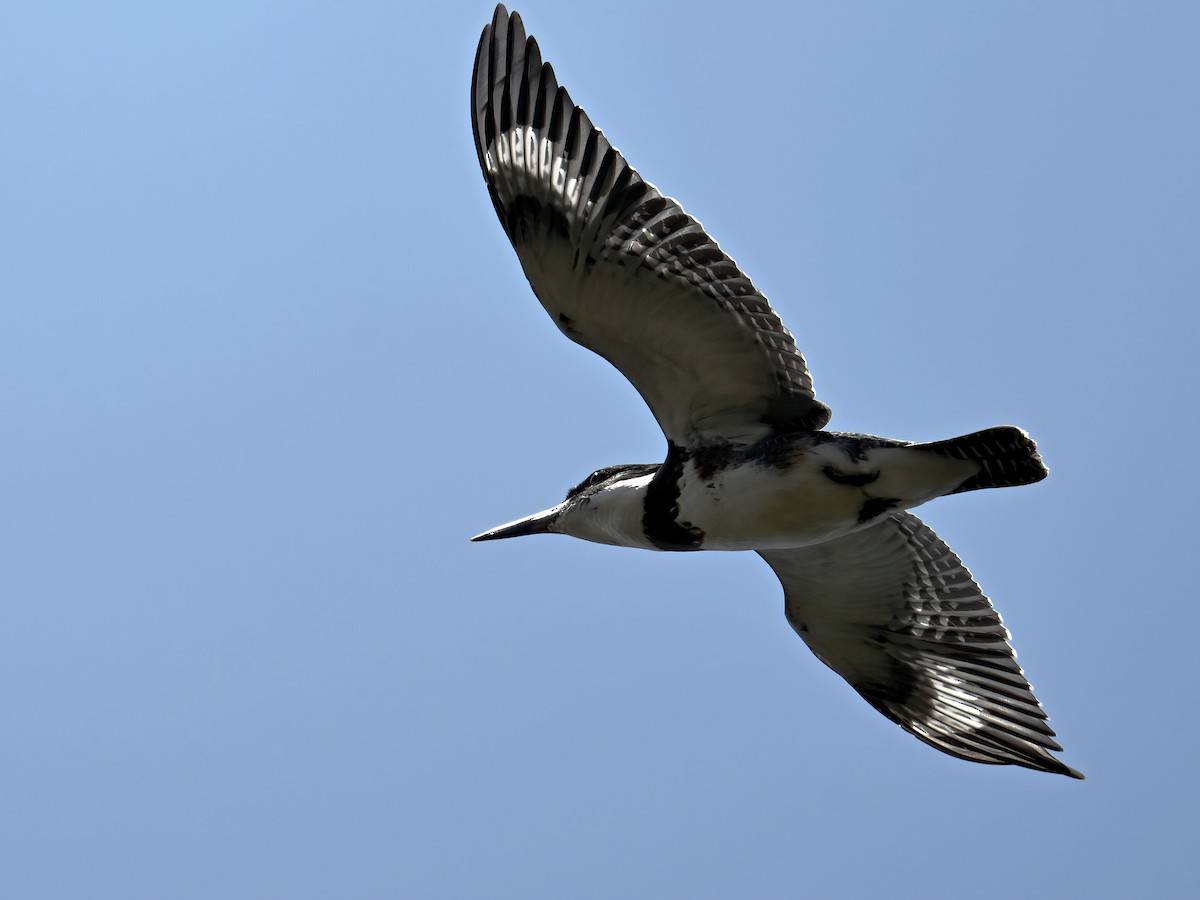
{"points": [[1006, 454]]}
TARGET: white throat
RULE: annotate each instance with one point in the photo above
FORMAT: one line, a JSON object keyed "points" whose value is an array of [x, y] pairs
{"points": [[612, 515]]}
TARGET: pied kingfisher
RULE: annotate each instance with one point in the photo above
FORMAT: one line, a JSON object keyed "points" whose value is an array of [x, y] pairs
{"points": [[625, 272]]}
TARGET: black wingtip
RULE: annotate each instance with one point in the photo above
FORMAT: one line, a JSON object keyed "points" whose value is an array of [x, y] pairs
{"points": [[500, 16], [1071, 773]]}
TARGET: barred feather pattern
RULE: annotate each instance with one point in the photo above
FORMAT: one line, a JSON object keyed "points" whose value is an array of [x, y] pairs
{"points": [[895, 612], [1007, 455], [609, 256]]}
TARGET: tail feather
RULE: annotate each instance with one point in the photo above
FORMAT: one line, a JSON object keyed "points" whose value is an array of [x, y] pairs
{"points": [[1006, 454]]}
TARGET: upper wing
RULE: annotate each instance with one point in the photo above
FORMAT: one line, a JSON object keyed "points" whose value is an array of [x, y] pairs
{"points": [[623, 270], [893, 611]]}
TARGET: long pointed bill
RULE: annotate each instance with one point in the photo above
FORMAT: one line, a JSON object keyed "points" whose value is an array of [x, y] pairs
{"points": [[538, 523]]}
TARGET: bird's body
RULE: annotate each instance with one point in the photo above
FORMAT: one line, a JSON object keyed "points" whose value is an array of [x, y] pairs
{"points": [[627, 273], [799, 490]]}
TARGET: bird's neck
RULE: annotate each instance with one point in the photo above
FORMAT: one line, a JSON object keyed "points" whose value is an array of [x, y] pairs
{"points": [[612, 516]]}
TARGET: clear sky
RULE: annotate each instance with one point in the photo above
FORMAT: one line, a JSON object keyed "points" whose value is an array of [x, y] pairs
{"points": [[267, 361]]}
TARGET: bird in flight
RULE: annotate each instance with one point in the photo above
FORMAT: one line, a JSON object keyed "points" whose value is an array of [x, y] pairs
{"points": [[625, 272]]}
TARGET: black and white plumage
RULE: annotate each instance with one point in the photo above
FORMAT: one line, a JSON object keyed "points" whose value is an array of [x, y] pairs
{"points": [[628, 274]]}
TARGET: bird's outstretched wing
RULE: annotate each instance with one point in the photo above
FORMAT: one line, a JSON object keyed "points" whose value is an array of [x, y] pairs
{"points": [[893, 611], [623, 270]]}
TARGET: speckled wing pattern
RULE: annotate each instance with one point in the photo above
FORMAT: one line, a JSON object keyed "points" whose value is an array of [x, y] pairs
{"points": [[623, 270], [893, 611]]}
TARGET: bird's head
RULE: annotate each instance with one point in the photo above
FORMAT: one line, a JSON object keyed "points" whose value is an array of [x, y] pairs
{"points": [[605, 507]]}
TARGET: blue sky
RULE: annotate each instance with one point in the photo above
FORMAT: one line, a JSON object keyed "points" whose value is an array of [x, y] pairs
{"points": [[267, 361]]}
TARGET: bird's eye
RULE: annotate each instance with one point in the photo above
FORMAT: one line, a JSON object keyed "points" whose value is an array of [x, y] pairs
{"points": [[592, 480]]}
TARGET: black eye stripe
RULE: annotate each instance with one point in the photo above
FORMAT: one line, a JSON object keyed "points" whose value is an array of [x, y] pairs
{"points": [[611, 473]]}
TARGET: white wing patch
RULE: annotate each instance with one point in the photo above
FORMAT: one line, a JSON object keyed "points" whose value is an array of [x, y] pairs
{"points": [[524, 152]]}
